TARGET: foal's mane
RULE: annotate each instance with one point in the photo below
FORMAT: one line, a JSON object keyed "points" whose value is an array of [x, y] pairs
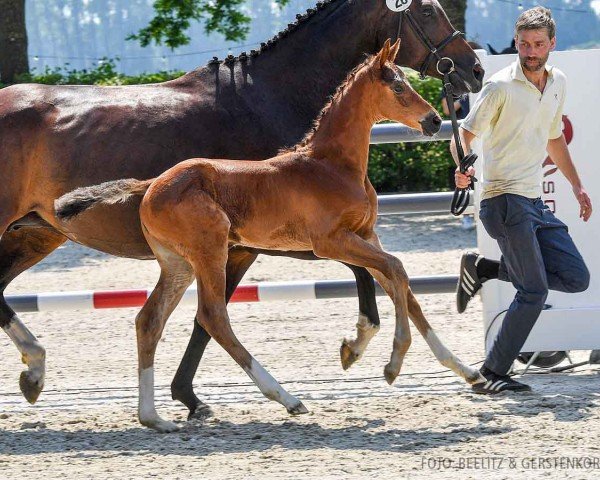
{"points": [[333, 100]]}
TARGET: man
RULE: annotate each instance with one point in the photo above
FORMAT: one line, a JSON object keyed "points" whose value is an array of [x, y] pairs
{"points": [[518, 118]]}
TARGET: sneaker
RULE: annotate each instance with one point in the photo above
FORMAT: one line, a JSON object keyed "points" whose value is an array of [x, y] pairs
{"points": [[469, 282], [498, 383]]}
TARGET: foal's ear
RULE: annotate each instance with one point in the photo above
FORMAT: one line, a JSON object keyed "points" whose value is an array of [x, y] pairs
{"points": [[384, 53], [394, 50]]}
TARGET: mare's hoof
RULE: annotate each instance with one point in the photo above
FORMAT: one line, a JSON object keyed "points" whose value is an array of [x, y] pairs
{"points": [[298, 409], [347, 355], [390, 374], [30, 388], [201, 412]]}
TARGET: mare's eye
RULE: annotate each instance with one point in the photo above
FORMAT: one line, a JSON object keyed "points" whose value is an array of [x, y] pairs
{"points": [[427, 11]]}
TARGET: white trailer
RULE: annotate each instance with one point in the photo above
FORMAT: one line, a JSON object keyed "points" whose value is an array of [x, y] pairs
{"points": [[573, 320]]}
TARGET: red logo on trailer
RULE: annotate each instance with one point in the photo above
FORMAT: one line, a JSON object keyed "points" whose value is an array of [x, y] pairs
{"points": [[548, 186]]}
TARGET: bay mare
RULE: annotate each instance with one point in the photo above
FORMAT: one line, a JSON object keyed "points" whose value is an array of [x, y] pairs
{"points": [[54, 139], [195, 212]]}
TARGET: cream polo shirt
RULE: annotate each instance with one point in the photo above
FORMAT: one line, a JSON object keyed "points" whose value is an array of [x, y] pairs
{"points": [[514, 121]]}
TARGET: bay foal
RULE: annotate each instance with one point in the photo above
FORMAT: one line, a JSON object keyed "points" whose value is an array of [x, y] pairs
{"points": [[314, 197]]}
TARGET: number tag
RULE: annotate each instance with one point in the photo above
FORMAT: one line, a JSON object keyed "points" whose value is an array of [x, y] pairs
{"points": [[398, 5]]}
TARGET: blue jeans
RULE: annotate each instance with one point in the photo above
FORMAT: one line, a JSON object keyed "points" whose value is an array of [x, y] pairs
{"points": [[537, 254]]}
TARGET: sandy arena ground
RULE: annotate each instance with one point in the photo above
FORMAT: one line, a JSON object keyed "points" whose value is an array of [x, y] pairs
{"points": [[425, 425]]}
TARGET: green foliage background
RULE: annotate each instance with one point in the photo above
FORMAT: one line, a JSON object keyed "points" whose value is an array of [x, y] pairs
{"points": [[413, 167], [408, 167]]}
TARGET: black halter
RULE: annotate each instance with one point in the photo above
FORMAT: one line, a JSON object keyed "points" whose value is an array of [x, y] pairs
{"points": [[460, 200], [434, 51]]}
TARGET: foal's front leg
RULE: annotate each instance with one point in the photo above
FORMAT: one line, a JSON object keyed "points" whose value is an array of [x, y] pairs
{"points": [[371, 255], [441, 352], [389, 272]]}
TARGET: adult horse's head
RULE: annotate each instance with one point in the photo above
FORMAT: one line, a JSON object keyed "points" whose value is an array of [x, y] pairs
{"points": [[427, 35]]}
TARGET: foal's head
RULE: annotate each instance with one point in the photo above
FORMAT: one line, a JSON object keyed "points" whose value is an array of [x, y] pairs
{"points": [[393, 98]]}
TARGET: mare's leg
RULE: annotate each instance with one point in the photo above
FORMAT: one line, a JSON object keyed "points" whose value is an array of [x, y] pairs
{"points": [[238, 262], [19, 250], [175, 277], [368, 316], [367, 325]]}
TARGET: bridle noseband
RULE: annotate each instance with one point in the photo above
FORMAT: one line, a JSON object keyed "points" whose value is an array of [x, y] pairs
{"points": [[434, 51]]}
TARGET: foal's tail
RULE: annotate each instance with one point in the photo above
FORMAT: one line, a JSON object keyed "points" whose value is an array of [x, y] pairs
{"points": [[79, 200]]}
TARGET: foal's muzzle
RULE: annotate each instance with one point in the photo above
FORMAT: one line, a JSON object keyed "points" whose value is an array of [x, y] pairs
{"points": [[431, 124]]}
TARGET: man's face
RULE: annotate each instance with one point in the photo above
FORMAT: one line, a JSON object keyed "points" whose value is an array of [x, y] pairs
{"points": [[534, 47]]}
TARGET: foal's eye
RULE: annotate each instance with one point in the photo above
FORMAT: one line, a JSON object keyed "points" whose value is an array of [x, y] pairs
{"points": [[398, 88]]}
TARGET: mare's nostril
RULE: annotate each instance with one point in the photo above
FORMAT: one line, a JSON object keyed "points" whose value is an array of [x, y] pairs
{"points": [[478, 72]]}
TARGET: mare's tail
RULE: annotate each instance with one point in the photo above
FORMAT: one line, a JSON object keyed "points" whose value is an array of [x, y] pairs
{"points": [[79, 200]]}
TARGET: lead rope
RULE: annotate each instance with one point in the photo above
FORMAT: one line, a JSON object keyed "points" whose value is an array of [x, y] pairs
{"points": [[461, 197]]}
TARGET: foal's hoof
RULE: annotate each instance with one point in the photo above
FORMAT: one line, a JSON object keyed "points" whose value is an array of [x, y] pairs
{"points": [[298, 409], [201, 412], [390, 374], [474, 376], [347, 355], [30, 388], [160, 425]]}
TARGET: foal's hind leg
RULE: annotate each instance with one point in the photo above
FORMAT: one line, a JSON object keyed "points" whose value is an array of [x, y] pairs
{"points": [[238, 262], [176, 275], [19, 250], [208, 255], [212, 315]]}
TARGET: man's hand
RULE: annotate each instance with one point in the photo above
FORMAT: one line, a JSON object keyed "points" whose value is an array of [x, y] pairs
{"points": [[463, 180], [585, 204]]}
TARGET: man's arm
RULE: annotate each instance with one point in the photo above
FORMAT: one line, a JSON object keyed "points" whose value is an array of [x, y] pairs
{"points": [[477, 122], [457, 106], [559, 153], [466, 137]]}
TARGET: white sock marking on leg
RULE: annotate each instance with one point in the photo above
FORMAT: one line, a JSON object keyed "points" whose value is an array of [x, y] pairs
{"points": [[20, 334], [146, 401], [365, 331], [269, 387], [34, 355], [446, 357]]}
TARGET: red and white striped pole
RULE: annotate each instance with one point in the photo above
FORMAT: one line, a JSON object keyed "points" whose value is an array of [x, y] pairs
{"points": [[261, 292]]}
